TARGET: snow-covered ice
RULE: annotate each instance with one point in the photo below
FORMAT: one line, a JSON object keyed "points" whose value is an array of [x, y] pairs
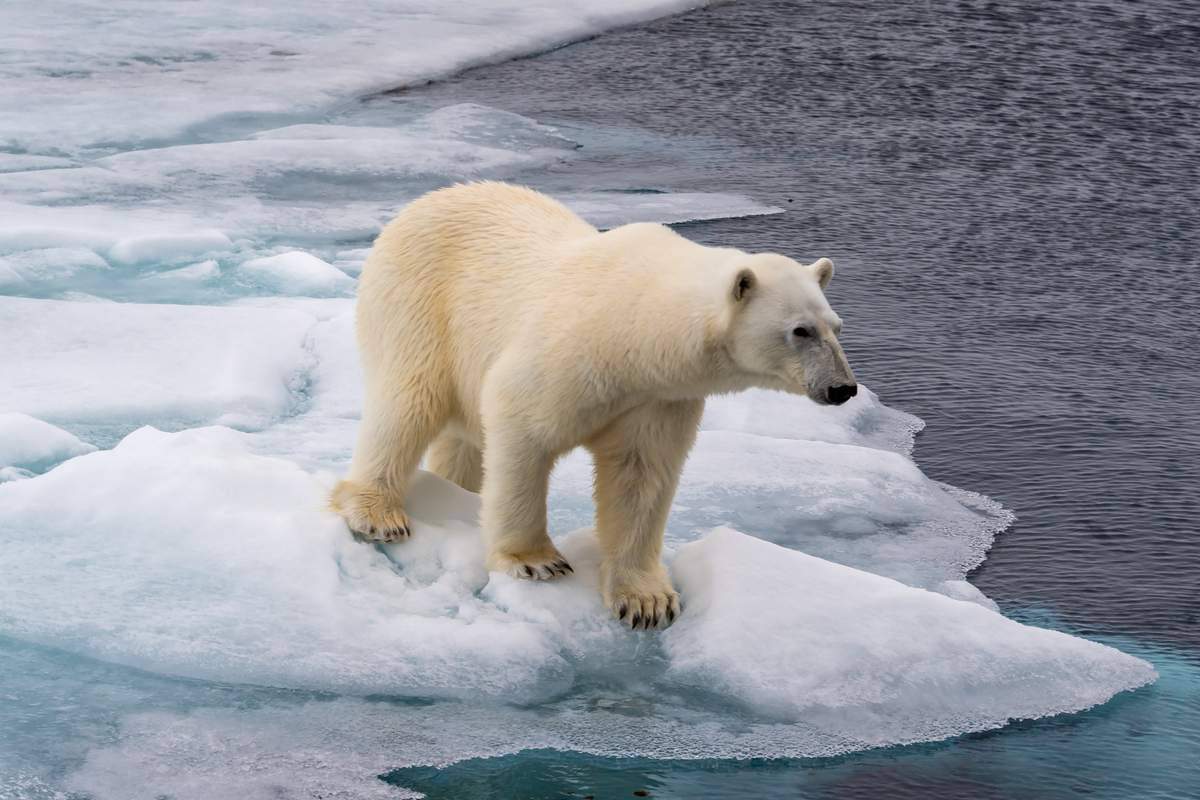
{"points": [[190, 555], [296, 272], [126, 364], [864, 657], [165, 248], [28, 443]]}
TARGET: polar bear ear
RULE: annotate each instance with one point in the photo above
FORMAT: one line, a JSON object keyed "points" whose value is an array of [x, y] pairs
{"points": [[822, 270], [743, 284]]}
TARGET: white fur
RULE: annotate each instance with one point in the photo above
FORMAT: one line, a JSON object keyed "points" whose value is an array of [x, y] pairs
{"points": [[499, 331]]}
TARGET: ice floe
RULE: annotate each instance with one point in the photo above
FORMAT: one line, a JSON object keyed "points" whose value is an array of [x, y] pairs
{"points": [[296, 272], [127, 364], [190, 555]]}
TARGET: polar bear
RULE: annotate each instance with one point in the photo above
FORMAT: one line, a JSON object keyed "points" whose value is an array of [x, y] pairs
{"points": [[498, 331]]}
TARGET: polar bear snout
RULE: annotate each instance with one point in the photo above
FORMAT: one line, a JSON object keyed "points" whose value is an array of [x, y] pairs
{"points": [[836, 395]]}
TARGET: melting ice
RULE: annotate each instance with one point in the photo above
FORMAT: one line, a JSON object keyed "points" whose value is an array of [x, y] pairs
{"points": [[179, 247]]}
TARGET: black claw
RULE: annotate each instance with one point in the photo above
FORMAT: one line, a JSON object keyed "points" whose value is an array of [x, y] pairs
{"points": [[636, 621], [622, 611], [528, 571], [670, 616], [570, 570]]}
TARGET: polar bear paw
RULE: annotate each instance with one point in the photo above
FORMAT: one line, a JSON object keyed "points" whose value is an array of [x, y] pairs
{"points": [[544, 564], [371, 514], [645, 602]]}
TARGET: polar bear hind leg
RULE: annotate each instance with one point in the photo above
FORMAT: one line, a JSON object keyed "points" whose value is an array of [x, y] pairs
{"points": [[457, 460], [397, 427]]}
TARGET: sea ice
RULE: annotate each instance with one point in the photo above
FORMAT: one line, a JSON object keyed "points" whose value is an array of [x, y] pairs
{"points": [[191, 275], [261, 187], [29, 444], [221, 564], [164, 248], [296, 272], [867, 659], [126, 364], [51, 264], [610, 209]]}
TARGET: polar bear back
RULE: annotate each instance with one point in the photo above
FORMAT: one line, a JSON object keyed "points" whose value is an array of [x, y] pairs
{"points": [[464, 272]]}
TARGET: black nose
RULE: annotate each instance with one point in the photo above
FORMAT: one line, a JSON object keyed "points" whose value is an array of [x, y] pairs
{"points": [[840, 394]]}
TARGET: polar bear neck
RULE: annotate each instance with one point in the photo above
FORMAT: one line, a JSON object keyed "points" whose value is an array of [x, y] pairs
{"points": [[674, 298]]}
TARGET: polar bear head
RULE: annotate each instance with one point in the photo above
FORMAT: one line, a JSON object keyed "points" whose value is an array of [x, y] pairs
{"points": [[782, 332]]}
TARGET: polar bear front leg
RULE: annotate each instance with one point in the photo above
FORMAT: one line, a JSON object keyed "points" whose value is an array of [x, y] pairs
{"points": [[638, 460], [516, 469]]}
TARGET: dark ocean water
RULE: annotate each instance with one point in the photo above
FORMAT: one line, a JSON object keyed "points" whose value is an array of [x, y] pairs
{"points": [[1010, 193]]}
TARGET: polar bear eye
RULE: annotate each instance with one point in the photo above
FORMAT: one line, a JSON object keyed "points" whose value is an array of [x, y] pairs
{"points": [[801, 332]]}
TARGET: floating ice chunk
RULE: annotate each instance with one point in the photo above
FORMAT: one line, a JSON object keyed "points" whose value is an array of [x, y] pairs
{"points": [[296, 272], [200, 272], [125, 364], [610, 209], [14, 474], [29, 443], [168, 247], [867, 659], [53, 264], [351, 261], [964, 590], [472, 122]]}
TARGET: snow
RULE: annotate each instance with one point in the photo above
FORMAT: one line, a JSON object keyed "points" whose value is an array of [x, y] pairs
{"points": [[865, 658], [296, 272], [128, 364], [31, 444]]}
